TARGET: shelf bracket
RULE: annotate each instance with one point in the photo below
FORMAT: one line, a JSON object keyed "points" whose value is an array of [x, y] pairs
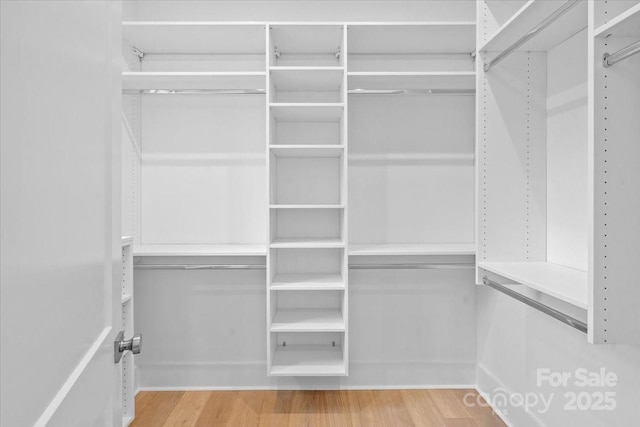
{"points": [[338, 53], [137, 52], [276, 52]]}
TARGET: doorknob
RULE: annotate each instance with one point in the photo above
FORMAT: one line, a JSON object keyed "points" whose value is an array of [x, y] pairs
{"points": [[120, 345]]}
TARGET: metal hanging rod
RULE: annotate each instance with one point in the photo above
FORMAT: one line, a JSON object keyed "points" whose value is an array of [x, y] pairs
{"points": [[564, 318], [194, 91], [200, 266], [398, 266], [532, 33], [411, 91], [622, 54], [410, 266]]}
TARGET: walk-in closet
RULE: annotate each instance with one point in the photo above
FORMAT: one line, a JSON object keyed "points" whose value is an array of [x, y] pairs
{"points": [[291, 213]]}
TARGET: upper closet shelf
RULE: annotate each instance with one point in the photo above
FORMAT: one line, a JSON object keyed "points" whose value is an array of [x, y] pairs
{"points": [[199, 250], [564, 283], [531, 16], [169, 37], [307, 112], [411, 80], [627, 24], [407, 249], [167, 81], [370, 38]]}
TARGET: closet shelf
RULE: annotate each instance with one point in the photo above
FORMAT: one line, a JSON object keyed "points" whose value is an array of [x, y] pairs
{"points": [[126, 241], [199, 250], [307, 150], [307, 79], [307, 320], [195, 37], [312, 243], [307, 112], [306, 38], [627, 24], [399, 249], [306, 206], [126, 298], [307, 282], [372, 38], [528, 17], [412, 80], [308, 360], [153, 80], [564, 283]]}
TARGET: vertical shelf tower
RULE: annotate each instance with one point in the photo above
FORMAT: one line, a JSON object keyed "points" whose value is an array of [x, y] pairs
{"points": [[307, 268]]}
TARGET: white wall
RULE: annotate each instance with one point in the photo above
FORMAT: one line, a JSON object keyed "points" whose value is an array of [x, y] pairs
{"points": [[207, 329], [514, 341]]}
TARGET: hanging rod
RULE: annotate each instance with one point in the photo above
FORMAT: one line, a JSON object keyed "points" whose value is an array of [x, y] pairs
{"points": [[194, 91], [200, 266], [411, 91], [398, 266], [622, 54], [410, 266], [564, 318], [532, 33]]}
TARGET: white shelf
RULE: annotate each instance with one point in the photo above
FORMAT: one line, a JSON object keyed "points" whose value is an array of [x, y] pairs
{"points": [[126, 240], [627, 24], [412, 37], [564, 283], [126, 421], [167, 37], [310, 38], [313, 243], [412, 80], [528, 17], [307, 320], [132, 80], [391, 249], [307, 150], [307, 281], [307, 112], [275, 206], [307, 79], [199, 250], [308, 361], [126, 298]]}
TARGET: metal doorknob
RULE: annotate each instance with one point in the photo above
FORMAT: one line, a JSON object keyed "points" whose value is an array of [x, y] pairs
{"points": [[120, 345]]}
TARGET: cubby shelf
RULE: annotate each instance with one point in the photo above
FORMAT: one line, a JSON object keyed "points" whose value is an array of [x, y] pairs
{"points": [[627, 24], [308, 360], [312, 243], [307, 112], [307, 150], [157, 80], [411, 37], [195, 37], [411, 80], [199, 250], [564, 283], [307, 78], [408, 249], [528, 17], [307, 320], [307, 281]]}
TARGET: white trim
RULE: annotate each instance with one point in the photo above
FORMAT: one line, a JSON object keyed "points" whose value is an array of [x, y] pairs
{"points": [[72, 379], [374, 387]]}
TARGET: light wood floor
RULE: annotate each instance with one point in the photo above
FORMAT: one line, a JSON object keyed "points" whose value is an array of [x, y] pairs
{"points": [[384, 408]]}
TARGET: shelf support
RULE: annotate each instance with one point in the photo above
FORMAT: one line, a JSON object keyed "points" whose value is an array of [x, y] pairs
{"points": [[558, 315], [532, 33], [621, 55]]}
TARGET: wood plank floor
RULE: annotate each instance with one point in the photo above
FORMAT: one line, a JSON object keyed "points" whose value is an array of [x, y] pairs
{"points": [[384, 408]]}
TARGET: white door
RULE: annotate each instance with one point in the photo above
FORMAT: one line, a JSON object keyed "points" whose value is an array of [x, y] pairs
{"points": [[60, 212]]}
